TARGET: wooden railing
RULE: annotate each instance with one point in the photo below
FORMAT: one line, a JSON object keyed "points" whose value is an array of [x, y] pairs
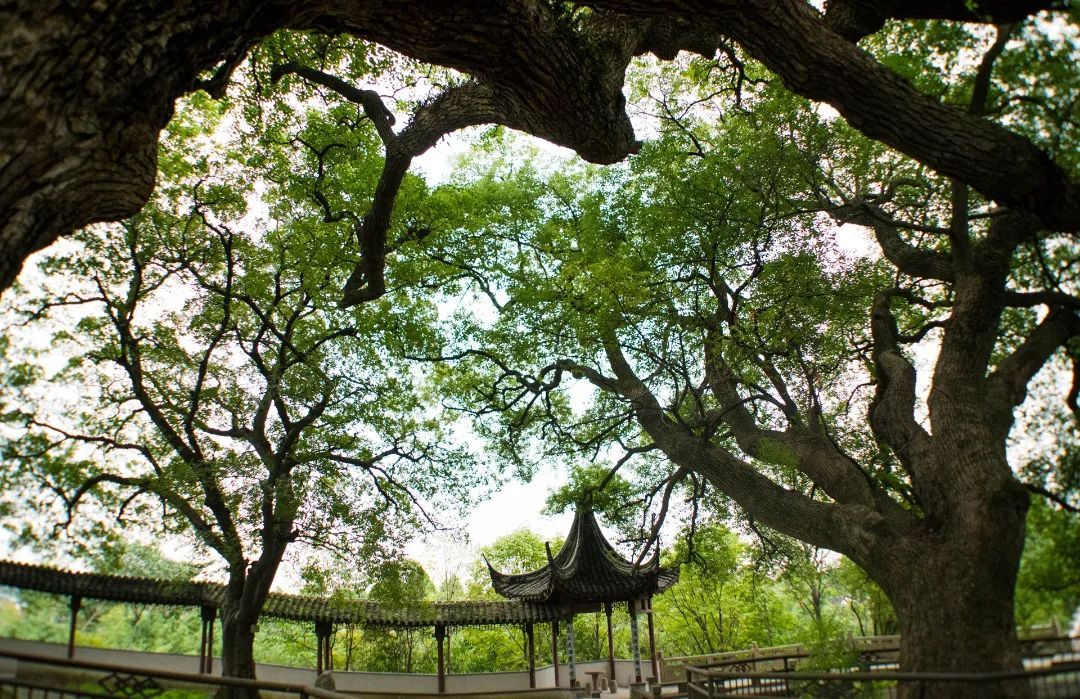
{"points": [[871, 652], [99, 680], [1058, 680]]}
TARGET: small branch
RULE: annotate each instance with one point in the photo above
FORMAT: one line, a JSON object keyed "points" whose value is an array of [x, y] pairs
{"points": [[1015, 371], [369, 100], [913, 261], [1053, 497], [921, 332]]}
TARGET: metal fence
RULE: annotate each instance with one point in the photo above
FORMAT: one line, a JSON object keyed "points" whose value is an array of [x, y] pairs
{"points": [[1059, 681]]}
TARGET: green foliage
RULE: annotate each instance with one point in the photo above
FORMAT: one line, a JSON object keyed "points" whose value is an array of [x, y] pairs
{"points": [[520, 551], [722, 601], [1048, 587], [874, 614], [209, 349], [612, 497]]}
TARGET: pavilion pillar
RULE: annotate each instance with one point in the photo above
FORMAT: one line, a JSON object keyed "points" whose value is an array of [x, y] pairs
{"points": [[635, 645], [440, 636], [530, 645], [324, 661], [610, 641], [76, 603], [555, 650], [206, 645], [652, 643], [572, 661]]}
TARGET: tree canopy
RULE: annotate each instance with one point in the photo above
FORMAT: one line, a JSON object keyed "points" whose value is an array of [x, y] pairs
{"points": [[858, 404], [216, 388]]}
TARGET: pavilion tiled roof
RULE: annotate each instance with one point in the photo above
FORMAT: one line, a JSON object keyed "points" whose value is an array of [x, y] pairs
{"points": [[586, 570], [133, 590]]}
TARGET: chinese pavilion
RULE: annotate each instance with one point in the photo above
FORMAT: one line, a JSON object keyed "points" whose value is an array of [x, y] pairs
{"points": [[588, 572]]}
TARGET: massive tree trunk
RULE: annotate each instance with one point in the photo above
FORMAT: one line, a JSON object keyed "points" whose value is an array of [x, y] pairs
{"points": [[951, 581], [954, 605], [245, 595]]}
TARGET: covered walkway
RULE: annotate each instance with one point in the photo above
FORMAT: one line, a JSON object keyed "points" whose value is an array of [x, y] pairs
{"points": [[586, 576]]}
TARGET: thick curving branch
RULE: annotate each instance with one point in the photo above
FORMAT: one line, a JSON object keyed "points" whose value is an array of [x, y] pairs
{"points": [[849, 528], [916, 262], [1014, 372], [79, 128], [854, 19], [790, 38], [892, 412]]}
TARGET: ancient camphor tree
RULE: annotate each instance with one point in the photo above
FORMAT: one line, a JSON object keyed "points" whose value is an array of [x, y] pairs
{"points": [[925, 499], [87, 90], [217, 390], [721, 330]]}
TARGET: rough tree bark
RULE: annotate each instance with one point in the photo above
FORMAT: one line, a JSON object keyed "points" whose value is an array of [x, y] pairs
{"points": [[88, 88]]}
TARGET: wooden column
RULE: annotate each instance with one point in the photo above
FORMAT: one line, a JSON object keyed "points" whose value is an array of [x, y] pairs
{"points": [[440, 636], [202, 646], [210, 641], [206, 647], [324, 631], [610, 641], [76, 603], [652, 643], [532, 654], [555, 650], [570, 656], [635, 644]]}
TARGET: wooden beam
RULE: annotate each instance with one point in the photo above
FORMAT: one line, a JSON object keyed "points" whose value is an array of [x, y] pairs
{"points": [[324, 631], [652, 643], [202, 646], [570, 652], [206, 646], [210, 643], [635, 641]]}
